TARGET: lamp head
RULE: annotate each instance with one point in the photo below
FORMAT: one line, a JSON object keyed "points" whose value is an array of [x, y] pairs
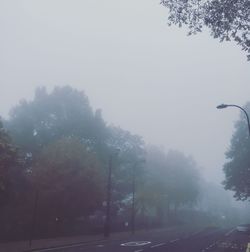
{"points": [[222, 106]]}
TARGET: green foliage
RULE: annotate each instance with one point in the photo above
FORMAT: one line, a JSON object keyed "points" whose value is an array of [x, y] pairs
{"points": [[69, 179], [171, 179], [66, 112], [130, 146], [129, 161], [226, 19], [49, 117], [67, 147], [237, 168], [184, 178], [8, 160]]}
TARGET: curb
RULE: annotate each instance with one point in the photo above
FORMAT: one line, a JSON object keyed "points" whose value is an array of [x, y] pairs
{"points": [[61, 246], [63, 243]]}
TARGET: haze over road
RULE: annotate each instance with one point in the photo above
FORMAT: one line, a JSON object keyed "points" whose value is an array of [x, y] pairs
{"points": [[209, 239]]}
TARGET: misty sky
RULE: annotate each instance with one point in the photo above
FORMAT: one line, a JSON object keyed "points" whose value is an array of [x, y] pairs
{"points": [[147, 77]]}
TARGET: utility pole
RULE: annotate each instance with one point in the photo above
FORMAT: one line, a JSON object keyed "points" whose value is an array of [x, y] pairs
{"points": [[133, 201], [107, 220], [34, 218]]}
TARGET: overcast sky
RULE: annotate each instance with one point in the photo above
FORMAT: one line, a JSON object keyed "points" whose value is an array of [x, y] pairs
{"points": [[147, 77]]}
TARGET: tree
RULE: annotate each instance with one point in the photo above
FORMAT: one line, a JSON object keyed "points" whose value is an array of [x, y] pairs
{"points": [[237, 167], [184, 178], [8, 160], [217, 203], [171, 179], [49, 129], [131, 156], [69, 180], [49, 117], [66, 113], [153, 192], [226, 19]]}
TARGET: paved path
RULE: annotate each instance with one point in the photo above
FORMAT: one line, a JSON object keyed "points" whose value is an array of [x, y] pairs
{"points": [[93, 239], [206, 240], [154, 241]]}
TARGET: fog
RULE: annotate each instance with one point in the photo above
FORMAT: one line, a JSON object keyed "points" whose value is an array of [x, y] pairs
{"points": [[148, 78]]}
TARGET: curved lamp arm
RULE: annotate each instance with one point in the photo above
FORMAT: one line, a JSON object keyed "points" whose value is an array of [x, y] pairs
{"points": [[222, 106]]}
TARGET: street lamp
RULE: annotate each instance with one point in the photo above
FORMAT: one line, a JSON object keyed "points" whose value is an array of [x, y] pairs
{"points": [[109, 188], [133, 200], [34, 215], [133, 194], [222, 106]]}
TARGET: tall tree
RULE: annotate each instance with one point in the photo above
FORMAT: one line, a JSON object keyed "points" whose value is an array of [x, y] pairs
{"points": [[154, 192], [226, 19], [172, 179], [237, 167], [184, 178], [51, 116], [130, 159], [66, 173], [8, 161]]}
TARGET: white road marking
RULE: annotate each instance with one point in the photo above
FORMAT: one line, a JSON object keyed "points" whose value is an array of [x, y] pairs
{"points": [[209, 247], [140, 250], [100, 246], [174, 240], [63, 247], [158, 245], [135, 243], [197, 233], [230, 232]]}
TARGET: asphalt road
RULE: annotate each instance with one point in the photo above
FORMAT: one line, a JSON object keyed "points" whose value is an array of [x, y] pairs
{"points": [[207, 240]]}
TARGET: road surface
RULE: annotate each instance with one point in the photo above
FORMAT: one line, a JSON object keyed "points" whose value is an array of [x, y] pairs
{"points": [[207, 240]]}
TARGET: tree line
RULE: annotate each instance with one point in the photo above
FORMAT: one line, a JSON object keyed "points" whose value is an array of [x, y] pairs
{"points": [[54, 157]]}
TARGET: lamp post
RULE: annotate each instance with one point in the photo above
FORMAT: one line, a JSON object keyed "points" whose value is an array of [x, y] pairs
{"points": [[222, 106], [107, 219], [133, 201], [109, 189], [133, 211], [33, 218]]}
